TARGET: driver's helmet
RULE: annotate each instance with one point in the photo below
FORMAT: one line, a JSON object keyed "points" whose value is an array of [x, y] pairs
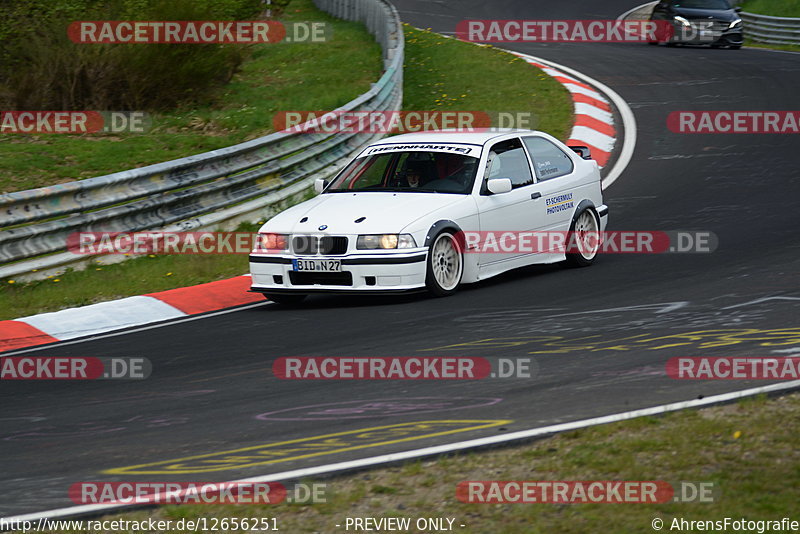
{"points": [[413, 175]]}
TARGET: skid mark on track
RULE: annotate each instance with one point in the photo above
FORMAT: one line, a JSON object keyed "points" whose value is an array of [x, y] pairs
{"points": [[297, 449], [698, 339], [361, 409]]}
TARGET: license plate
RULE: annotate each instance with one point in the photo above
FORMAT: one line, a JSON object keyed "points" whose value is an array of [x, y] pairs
{"points": [[330, 266]]}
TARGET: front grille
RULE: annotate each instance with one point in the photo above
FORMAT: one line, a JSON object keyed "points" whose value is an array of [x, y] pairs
{"points": [[310, 278], [712, 25], [327, 245]]}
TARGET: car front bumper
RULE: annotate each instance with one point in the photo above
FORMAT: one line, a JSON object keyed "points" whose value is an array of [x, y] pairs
{"points": [[378, 272], [702, 36]]}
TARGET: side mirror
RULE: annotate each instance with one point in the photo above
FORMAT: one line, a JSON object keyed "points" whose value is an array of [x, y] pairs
{"points": [[497, 186], [582, 151], [320, 185], [662, 5], [738, 9]]}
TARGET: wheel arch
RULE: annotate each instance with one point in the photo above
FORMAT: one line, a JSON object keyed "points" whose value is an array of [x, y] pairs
{"points": [[583, 205], [443, 224], [470, 260]]}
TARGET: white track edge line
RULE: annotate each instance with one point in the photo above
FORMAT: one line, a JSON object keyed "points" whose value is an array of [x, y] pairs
{"points": [[439, 449]]}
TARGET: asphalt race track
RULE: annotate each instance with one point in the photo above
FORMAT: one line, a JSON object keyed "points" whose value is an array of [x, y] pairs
{"points": [[599, 337]]}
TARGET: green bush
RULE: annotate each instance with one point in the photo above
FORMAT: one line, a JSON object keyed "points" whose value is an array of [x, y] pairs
{"points": [[41, 69]]}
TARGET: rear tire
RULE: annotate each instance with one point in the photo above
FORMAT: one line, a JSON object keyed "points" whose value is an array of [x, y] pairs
{"points": [[285, 300], [445, 265], [584, 239]]}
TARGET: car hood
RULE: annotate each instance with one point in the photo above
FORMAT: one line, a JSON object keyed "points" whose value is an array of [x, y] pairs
{"points": [[727, 15], [381, 212]]}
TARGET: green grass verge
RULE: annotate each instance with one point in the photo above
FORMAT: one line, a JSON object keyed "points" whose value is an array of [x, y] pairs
{"points": [[304, 76], [449, 75], [747, 450], [438, 72], [775, 8], [788, 48]]}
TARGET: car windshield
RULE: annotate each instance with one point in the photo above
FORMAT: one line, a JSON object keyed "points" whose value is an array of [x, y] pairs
{"points": [[412, 171], [703, 4]]}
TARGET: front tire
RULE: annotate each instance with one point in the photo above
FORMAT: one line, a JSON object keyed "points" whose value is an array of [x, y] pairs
{"points": [[584, 239], [445, 265], [285, 300]]}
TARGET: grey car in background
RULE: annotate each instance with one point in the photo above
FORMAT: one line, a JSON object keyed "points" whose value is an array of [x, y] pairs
{"points": [[708, 22]]}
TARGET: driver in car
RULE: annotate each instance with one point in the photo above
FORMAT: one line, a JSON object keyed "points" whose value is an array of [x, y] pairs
{"points": [[413, 177]]}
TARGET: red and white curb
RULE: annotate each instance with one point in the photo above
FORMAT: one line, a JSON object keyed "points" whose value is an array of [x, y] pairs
{"points": [[125, 313], [594, 122]]}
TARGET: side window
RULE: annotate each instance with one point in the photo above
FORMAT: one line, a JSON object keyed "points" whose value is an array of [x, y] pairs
{"points": [[507, 159], [549, 161]]}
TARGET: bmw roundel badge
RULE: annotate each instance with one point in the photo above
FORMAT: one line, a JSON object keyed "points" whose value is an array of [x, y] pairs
{"points": [[323, 227]]}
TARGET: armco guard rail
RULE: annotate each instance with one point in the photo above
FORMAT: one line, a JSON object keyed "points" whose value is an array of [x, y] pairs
{"points": [[771, 30], [213, 189]]}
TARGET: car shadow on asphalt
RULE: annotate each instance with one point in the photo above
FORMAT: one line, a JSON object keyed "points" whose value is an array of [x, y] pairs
{"points": [[350, 300]]}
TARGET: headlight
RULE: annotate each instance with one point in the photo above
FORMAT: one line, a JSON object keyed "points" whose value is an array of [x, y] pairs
{"points": [[735, 23], [385, 241], [682, 21], [273, 242]]}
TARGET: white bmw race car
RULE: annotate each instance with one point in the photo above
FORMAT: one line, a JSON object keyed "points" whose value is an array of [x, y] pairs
{"points": [[434, 210]]}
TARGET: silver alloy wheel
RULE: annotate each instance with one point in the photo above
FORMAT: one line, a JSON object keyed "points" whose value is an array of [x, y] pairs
{"points": [[446, 262], [587, 235]]}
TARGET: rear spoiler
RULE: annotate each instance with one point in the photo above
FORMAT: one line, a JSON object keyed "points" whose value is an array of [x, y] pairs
{"points": [[582, 151]]}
